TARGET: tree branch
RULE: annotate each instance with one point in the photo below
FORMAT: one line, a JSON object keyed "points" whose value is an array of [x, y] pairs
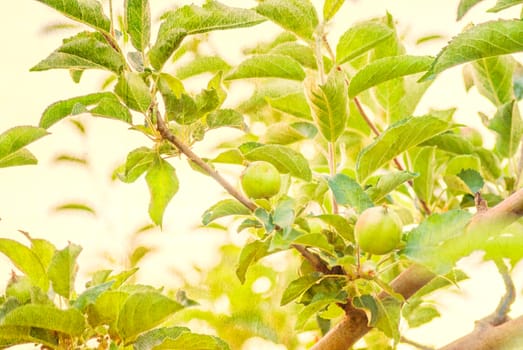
{"points": [[186, 150], [492, 337], [354, 325]]}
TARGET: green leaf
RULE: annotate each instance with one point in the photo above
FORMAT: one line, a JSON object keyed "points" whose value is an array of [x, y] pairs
{"points": [[142, 312], [383, 314], [26, 261], [348, 192], [388, 182], [223, 208], [268, 66], [489, 163], [297, 16], [299, 286], [465, 6], [138, 162], [294, 104], [20, 157], [15, 335], [493, 78], [483, 40], [86, 50], [106, 105], [163, 185], [138, 21], [155, 337], [398, 138], [386, 69], [69, 321], [399, 97], [225, 117], [425, 164], [284, 214], [12, 143], [133, 91], [504, 4], [62, 270], [89, 12], [421, 315], [330, 8], [316, 240], [169, 39], [339, 224], [424, 243], [192, 341], [282, 134], [473, 179], [299, 52], [202, 64], [90, 295], [450, 142], [361, 38], [461, 162], [285, 159], [329, 105], [75, 207], [251, 253], [107, 307], [313, 308], [508, 125], [212, 16]]}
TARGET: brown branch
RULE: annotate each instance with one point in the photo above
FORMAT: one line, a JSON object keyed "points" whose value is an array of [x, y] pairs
{"points": [[186, 150], [376, 132], [166, 134], [354, 325], [507, 334], [317, 263]]}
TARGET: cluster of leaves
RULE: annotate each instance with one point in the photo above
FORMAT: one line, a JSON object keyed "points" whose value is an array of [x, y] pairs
{"points": [[349, 108], [42, 305]]}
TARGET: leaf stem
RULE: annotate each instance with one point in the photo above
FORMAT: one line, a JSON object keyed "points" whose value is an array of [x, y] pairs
{"points": [[186, 150], [400, 167]]}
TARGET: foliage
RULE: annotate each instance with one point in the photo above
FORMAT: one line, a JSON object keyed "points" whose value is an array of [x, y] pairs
{"points": [[355, 104]]}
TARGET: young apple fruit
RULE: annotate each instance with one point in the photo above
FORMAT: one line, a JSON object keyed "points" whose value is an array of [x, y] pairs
{"points": [[378, 230], [260, 180]]}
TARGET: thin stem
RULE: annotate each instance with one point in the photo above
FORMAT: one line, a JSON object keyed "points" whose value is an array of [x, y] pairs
{"points": [[332, 170], [400, 167], [111, 17], [183, 148], [319, 55]]}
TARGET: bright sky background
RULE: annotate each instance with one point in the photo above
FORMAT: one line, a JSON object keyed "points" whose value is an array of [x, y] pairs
{"points": [[29, 193]]}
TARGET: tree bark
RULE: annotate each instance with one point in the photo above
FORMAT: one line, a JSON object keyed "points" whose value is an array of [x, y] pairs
{"points": [[354, 325], [508, 335]]}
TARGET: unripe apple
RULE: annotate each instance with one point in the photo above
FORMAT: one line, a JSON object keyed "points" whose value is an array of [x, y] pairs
{"points": [[260, 180], [378, 230]]}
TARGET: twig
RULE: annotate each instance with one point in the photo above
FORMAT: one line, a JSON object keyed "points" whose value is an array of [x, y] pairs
{"points": [[415, 344], [186, 150], [400, 167], [500, 315], [316, 261]]}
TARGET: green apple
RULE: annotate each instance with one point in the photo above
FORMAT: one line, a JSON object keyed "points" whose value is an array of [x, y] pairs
{"points": [[378, 230], [260, 180]]}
